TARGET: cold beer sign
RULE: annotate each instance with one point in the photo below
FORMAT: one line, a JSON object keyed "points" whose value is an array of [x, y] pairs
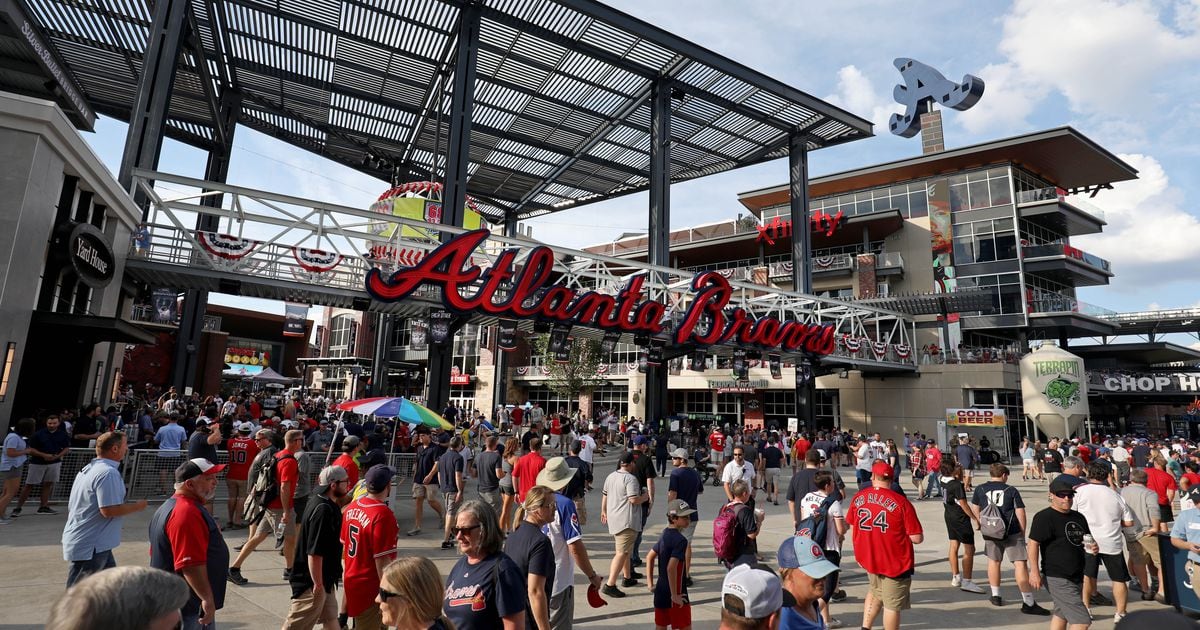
{"points": [[975, 417], [529, 293]]}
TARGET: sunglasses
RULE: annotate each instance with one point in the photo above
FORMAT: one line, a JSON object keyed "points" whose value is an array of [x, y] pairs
{"points": [[1065, 495], [385, 594], [463, 530], [737, 454]]}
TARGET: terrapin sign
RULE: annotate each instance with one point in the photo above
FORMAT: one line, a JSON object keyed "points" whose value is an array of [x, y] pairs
{"points": [[529, 293]]}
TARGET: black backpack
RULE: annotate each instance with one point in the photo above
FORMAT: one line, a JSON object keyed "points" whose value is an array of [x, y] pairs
{"points": [[816, 526], [265, 490]]}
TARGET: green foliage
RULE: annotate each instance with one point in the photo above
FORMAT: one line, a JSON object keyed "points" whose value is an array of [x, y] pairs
{"points": [[577, 376]]}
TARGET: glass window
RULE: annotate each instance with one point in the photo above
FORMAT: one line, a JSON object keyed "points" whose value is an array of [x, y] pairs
{"points": [[982, 398], [1006, 246], [342, 331], [986, 250], [979, 194], [918, 203], [958, 197], [964, 252], [727, 404], [1010, 298], [1000, 191]]}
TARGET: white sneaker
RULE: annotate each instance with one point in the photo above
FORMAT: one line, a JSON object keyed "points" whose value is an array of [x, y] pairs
{"points": [[956, 580], [834, 622], [970, 587], [1118, 617]]}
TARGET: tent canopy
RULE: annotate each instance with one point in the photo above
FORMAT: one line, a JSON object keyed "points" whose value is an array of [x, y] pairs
{"points": [[270, 376]]}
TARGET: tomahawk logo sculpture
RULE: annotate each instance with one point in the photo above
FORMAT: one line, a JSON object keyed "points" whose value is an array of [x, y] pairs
{"points": [[923, 85]]}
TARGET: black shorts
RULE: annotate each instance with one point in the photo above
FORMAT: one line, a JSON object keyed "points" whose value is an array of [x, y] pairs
{"points": [[1114, 565], [961, 531], [1164, 513]]}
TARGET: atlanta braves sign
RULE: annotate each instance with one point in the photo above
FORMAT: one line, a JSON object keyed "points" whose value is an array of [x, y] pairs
{"points": [[529, 293]]}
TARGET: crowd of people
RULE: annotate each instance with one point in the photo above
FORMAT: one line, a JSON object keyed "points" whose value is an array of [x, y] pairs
{"points": [[520, 534]]}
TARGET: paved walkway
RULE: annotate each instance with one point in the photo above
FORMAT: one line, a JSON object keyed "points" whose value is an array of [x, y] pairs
{"points": [[35, 571]]}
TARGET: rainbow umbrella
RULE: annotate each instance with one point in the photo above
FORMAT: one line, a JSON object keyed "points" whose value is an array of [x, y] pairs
{"points": [[383, 406], [413, 413]]}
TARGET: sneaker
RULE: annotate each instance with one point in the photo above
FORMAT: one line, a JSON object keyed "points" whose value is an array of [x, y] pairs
{"points": [[628, 582], [635, 575], [688, 582], [1099, 599], [414, 532], [287, 574], [1118, 617], [834, 622], [839, 595], [279, 543], [447, 544], [239, 547], [235, 576], [612, 591], [5, 521], [44, 510], [1034, 609], [956, 581], [15, 513], [996, 600], [1154, 586], [636, 562], [971, 587]]}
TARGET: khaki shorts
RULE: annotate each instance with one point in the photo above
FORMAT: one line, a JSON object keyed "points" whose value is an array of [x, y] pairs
{"points": [[451, 506], [43, 473], [237, 487], [770, 476], [1012, 548], [690, 531], [12, 473], [312, 607], [1150, 548], [421, 491], [893, 593], [625, 539], [275, 516]]}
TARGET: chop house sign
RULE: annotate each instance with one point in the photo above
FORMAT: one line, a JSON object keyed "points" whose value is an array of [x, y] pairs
{"points": [[468, 288]]}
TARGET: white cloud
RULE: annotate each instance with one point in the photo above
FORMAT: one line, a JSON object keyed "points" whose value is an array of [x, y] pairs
{"points": [[1149, 234], [1009, 98], [856, 93]]}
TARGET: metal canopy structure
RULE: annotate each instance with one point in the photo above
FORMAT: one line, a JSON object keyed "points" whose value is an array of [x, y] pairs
{"points": [[562, 90], [960, 301]]}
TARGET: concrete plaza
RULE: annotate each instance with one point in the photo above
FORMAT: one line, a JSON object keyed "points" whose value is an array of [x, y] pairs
{"points": [[36, 571]]}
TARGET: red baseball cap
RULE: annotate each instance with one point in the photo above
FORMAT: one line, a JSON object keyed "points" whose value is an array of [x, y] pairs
{"points": [[882, 469], [594, 598]]}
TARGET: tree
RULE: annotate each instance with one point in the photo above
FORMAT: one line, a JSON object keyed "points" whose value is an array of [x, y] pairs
{"points": [[577, 376]]}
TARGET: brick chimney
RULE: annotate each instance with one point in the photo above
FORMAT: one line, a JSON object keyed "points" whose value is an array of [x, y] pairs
{"points": [[932, 140]]}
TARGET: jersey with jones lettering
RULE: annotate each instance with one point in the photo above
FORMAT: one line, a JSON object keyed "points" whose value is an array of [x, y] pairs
{"points": [[242, 451], [369, 531], [881, 522]]}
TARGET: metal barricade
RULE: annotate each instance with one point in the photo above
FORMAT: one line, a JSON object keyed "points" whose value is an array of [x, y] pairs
{"points": [[71, 464], [153, 473], [403, 463]]}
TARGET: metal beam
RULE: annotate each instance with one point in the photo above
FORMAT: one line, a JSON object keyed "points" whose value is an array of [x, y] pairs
{"points": [[801, 232], [659, 224]]}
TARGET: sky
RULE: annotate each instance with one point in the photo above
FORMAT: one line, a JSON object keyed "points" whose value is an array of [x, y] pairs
{"points": [[1123, 73]]}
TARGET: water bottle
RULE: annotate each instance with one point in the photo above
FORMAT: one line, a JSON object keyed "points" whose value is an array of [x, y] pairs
{"points": [[1089, 544]]}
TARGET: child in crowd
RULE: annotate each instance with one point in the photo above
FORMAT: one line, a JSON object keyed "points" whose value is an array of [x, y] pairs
{"points": [[671, 607]]}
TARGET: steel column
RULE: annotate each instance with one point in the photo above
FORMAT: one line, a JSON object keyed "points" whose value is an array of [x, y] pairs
{"points": [[147, 121], [659, 224], [454, 190], [801, 230]]}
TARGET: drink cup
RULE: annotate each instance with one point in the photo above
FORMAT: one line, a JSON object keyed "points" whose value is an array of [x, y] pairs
{"points": [[1089, 544]]}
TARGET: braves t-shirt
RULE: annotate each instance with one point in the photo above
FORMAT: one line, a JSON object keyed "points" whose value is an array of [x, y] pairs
{"points": [[531, 551], [881, 522], [562, 532], [671, 544], [478, 596], [369, 531]]}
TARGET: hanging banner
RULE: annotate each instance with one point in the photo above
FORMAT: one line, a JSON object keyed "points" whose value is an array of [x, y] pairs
{"points": [[226, 246], [740, 368], [315, 260], [641, 340], [941, 235], [541, 326], [439, 327], [776, 363], [654, 356], [293, 319], [420, 334], [560, 338], [166, 306], [507, 340], [975, 418], [699, 358], [803, 374], [609, 342], [643, 363]]}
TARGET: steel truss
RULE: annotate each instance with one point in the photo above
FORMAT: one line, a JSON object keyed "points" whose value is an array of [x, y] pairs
{"points": [[278, 225]]}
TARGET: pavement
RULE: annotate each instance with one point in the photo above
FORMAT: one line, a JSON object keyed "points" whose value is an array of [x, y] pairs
{"points": [[35, 572]]}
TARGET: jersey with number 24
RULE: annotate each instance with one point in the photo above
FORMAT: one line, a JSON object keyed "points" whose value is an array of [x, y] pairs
{"points": [[881, 522]]}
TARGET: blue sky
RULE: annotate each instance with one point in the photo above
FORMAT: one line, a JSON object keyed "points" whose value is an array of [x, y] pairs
{"points": [[1121, 72]]}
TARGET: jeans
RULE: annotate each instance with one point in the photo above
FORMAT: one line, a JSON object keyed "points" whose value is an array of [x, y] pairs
{"points": [[82, 568], [935, 486], [193, 623], [863, 477]]}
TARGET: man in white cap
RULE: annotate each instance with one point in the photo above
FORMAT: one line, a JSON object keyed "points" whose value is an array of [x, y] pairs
{"points": [[566, 540], [805, 571], [185, 539], [752, 598]]}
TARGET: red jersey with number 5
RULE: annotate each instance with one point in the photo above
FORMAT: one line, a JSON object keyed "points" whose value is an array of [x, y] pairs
{"points": [[241, 454], [881, 521], [369, 531]]}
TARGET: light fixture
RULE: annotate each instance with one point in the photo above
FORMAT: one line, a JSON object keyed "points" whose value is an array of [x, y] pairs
{"points": [[8, 361]]}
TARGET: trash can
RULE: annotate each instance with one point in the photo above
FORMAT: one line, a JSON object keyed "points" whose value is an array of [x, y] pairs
{"points": [[1177, 576]]}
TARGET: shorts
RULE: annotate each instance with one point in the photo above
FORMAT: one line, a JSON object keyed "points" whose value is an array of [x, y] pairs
{"points": [[581, 509], [624, 540], [492, 498], [893, 593], [1137, 553], [1027, 463], [508, 490], [451, 506], [312, 607], [275, 515], [12, 473], [678, 617], [237, 487], [1114, 565], [425, 490], [1150, 545], [1165, 514], [369, 619], [1068, 600], [43, 473], [1012, 548], [960, 531], [770, 476], [689, 532]]}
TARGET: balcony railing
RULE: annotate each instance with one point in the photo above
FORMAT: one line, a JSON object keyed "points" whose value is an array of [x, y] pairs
{"points": [[1043, 301], [889, 260], [1060, 195], [1062, 249]]}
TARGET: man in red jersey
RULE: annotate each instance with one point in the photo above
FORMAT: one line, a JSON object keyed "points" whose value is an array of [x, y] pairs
{"points": [[369, 532], [350, 447], [242, 451], [526, 470], [280, 511], [1163, 484], [885, 528], [716, 447]]}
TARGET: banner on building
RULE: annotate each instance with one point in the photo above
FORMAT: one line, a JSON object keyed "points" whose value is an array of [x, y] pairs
{"points": [[643, 363], [609, 343], [439, 327], [976, 418], [507, 338], [654, 356], [293, 319], [419, 336], [941, 235], [166, 306], [804, 374], [699, 358], [560, 343], [741, 368], [776, 363]]}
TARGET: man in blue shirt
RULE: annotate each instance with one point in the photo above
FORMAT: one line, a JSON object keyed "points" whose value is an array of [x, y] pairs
{"points": [[685, 484], [96, 509], [48, 447], [1185, 533]]}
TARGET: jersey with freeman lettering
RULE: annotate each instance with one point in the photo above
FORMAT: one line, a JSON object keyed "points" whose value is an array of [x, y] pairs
{"points": [[369, 531], [881, 522], [242, 451]]}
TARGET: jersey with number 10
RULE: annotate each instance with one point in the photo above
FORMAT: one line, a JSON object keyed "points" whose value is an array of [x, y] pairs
{"points": [[369, 531], [242, 451], [881, 522]]}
